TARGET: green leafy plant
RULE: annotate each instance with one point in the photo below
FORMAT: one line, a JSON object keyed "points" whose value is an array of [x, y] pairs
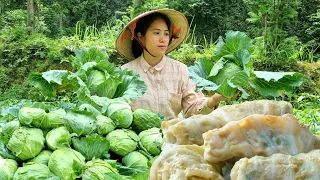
{"points": [[234, 71], [94, 76]]}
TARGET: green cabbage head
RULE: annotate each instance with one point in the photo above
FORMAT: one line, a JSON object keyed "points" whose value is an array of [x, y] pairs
{"points": [[33, 117], [96, 169], [56, 118], [66, 163], [10, 127], [32, 171], [26, 143], [120, 112], [105, 124], [58, 137], [42, 158], [122, 141], [135, 160], [80, 122], [7, 168], [151, 140]]}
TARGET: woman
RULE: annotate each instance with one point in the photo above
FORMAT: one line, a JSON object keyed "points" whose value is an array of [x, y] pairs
{"points": [[146, 40]]}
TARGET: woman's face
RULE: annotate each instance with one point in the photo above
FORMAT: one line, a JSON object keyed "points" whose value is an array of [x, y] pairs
{"points": [[157, 37]]}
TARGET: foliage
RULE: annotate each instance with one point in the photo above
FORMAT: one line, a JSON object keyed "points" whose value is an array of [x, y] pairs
{"points": [[193, 48], [213, 17], [307, 110], [314, 30], [233, 71], [272, 41], [311, 72]]}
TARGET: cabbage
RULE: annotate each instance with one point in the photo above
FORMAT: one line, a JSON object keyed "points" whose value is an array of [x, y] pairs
{"points": [[66, 163], [26, 143], [7, 168], [91, 146], [95, 78], [56, 118], [151, 140], [229, 70], [96, 169], [33, 117], [120, 112], [42, 158], [105, 124], [58, 137], [32, 171], [80, 122], [135, 160], [9, 127], [5, 153], [144, 119], [122, 141]]}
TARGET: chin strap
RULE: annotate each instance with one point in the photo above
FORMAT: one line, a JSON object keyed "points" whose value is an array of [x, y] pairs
{"points": [[138, 40], [131, 29]]}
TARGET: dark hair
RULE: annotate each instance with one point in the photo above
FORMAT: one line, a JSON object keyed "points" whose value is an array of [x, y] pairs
{"points": [[142, 26]]}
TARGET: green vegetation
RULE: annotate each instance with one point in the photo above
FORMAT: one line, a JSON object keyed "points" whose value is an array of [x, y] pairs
{"points": [[62, 90]]}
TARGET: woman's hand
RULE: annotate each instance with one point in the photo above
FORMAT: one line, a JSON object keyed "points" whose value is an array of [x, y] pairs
{"points": [[215, 99]]}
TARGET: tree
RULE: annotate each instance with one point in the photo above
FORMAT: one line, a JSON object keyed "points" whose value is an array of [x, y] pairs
{"points": [[31, 17], [273, 15]]}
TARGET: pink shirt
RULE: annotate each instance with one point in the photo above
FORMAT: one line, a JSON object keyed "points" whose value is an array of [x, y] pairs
{"points": [[169, 89]]}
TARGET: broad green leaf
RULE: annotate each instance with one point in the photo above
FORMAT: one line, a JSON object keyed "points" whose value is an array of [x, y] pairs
{"points": [[94, 146], [240, 79], [234, 41], [89, 108], [228, 71], [226, 89], [39, 82], [131, 87], [92, 54], [199, 73], [275, 83], [88, 65], [109, 87], [217, 66], [55, 76]]}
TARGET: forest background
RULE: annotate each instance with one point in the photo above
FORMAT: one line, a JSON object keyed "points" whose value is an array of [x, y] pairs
{"points": [[40, 35]]}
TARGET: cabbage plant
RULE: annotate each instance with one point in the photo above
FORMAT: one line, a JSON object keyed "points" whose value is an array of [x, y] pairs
{"points": [[105, 124], [135, 160], [58, 137], [234, 71], [33, 117], [66, 163], [32, 171], [93, 146], [26, 143], [120, 112], [42, 157], [122, 141], [151, 140], [4, 151], [56, 118], [96, 169], [10, 127], [80, 122], [7, 168]]}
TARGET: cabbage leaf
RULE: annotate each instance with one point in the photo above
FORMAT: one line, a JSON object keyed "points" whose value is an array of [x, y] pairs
{"points": [[234, 71]]}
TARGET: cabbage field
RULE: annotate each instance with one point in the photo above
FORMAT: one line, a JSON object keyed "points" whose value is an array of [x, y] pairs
{"points": [[97, 136]]}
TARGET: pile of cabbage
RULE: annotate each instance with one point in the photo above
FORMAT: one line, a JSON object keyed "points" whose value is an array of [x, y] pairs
{"points": [[57, 143]]}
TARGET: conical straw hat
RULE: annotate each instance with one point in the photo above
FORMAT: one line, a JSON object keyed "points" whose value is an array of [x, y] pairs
{"points": [[179, 29]]}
